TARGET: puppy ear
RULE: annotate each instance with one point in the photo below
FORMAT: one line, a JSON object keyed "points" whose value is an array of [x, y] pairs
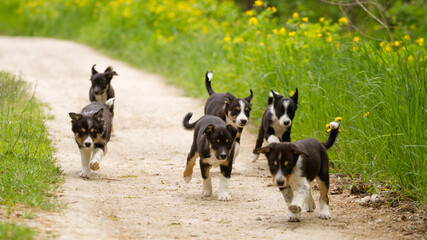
{"points": [[232, 130], [299, 149], [295, 96], [93, 70], [275, 94], [229, 98], [249, 98], [209, 129], [109, 103], [98, 115], [264, 150], [110, 73], [75, 116]]}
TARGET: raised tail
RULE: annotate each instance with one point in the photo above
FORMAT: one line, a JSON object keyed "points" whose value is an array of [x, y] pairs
{"points": [[186, 121], [333, 134], [208, 78]]}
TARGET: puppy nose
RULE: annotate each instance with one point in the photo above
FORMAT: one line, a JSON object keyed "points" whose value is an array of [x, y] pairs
{"points": [[223, 155], [87, 144], [287, 122], [280, 182], [243, 121]]}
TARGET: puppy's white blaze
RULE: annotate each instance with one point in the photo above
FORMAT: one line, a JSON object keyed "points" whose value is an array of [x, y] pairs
{"points": [[285, 116], [210, 75], [207, 187], [242, 115], [88, 139], [324, 210], [254, 157], [109, 102], [334, 125], [273, 139], [223, 189]]}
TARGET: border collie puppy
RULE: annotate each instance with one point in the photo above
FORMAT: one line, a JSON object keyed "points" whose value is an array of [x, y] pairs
{"points": [[101, 89], [294, 166], [213, 142], [276, 121], [234, 111], [92, 131]]}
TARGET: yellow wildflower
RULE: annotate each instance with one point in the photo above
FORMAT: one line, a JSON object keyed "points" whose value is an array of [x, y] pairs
{"points": [[282, 31], [250, 13], [305, 19], [410, 58], [258, 32], [253, 21], [329, 39], [171, 38], [237, 40], [274, 9], [268, 35], [258, 3], [295, 15], [397, 43], [227, 39], [407, 37], [322, 19], [292, 93], [388, 48], [337, 119], [420, 41], [126, 12], [366, 114], [356, 39], [382, 44], [319, 35], [343, 20], [302, 25], [327, 125], [171, 15], [291, 34], [275, 31], [261, 44], [329, 130]]}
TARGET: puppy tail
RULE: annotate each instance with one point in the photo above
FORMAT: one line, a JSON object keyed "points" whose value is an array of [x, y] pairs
{"points": [[186, 121], [334, 127], [208, 78]]}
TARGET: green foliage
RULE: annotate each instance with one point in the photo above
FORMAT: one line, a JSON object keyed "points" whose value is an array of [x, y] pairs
{"points": [[11, 231], [377, 87], [27, 170]]}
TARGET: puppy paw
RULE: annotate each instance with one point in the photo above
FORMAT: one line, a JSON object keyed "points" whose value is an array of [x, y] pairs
{"points": [[294, 217], [294, 208], [84, 174], [94, 165], [187, 179], [206, 193], [309, 207], [324, 215], [224, 196], [254, 157]]}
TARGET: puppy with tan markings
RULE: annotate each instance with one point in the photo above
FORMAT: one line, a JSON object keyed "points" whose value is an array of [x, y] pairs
{"points": [[101, 89], [294, 165], [234, 111], [92, 131], [213, 142]]}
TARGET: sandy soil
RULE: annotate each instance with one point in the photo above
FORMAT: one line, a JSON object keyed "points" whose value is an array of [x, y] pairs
{"points": [[139, 192]]}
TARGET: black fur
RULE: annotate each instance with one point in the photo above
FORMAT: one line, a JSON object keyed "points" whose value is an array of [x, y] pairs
{"points": [[101, 88]]}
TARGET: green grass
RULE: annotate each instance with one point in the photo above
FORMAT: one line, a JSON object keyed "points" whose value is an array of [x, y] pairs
{"points": [[27, 172], [336, 74]]}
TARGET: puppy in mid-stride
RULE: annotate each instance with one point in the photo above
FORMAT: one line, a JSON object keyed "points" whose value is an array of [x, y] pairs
{"points": [[92, 131], [213, 142], [276, 121], [294, 166], [234, 111], [101, 89]]}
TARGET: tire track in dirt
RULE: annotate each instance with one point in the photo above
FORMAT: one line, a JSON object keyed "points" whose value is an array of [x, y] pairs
{"points": [[139, 192]]}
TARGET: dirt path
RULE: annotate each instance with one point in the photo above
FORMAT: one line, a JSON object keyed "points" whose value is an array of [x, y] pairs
{"points": [[139, 192]]}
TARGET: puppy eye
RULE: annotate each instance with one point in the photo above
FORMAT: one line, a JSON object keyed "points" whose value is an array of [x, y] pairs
{"points": [[238, 108], [286, 163], [83, 130], [217, 140], [246, 109], [91, 130]]}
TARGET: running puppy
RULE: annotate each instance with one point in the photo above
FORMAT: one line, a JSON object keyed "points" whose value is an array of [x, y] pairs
{"points": [[276, 121], [101, 89], [213, 142], [234, 111], [294, 165], [92, 131]]}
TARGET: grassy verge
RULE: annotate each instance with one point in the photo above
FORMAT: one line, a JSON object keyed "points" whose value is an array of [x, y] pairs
{"points": [[379, 88], [27, 172]]}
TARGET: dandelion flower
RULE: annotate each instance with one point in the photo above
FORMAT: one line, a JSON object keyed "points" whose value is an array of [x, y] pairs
{"points": [[388, 48], [327, 125], [258, 3], [305, 19], [227, 39], [397, 43], [329, 39], [291, 34], [356, 39], [253, 21], [171, 38], [237, 40], [261, 44], [282, 31], [407, 37], [343, 20], [319, 35], [329, 130], [337, 119], [292, 93], [366, 114], [295, 15], [410, 58], [250, 13], [275, 31], [382, 44], [268, 35], [322, 19], [302, 25], [274, 9], [420, 41]]}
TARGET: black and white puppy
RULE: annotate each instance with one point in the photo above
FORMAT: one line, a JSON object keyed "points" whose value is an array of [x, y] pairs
{"points": [[92, 131], [294, 165], [213, 142], [101, 89], [276, 121], [234, 111]]}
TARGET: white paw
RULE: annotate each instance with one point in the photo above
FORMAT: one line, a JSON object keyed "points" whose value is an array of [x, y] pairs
{"points": [[294, 217], [94, 165], [324, 215], [254, 157], [224, 196], [187, 179], [206, 193], [294, 208], [84, 174], [309, 207]]}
